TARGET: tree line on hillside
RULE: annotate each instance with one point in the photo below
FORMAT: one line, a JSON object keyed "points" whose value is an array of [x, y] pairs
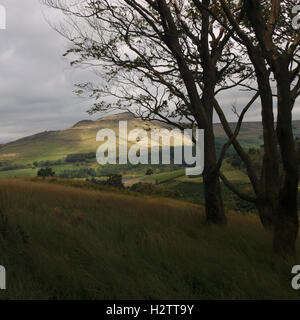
{"points": [[86, 172]]}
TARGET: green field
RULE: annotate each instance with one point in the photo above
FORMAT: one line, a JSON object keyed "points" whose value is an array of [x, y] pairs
{"points": [[164, 176], [60, 242], [32, 172]]}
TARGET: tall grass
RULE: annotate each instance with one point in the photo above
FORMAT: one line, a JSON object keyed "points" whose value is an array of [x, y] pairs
{"points": [[60, 242]]}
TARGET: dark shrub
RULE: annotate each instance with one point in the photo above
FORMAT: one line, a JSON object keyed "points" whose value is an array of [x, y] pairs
{"points": [[46, 172], [115, 180], [149, 172]]}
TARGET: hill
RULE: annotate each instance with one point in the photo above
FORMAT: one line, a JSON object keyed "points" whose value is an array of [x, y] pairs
{"points": [[58, 242], [76, 147], [80, 138]]}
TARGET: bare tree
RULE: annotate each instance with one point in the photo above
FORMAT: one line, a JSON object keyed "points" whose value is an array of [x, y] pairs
{"points": [[264, 28], [158, 59]]}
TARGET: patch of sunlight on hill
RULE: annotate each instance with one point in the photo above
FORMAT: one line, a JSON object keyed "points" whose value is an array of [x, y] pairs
{"points": [[80, 138]]}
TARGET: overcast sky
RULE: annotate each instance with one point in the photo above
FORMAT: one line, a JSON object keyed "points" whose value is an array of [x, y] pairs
{"points": [[36, 82]]}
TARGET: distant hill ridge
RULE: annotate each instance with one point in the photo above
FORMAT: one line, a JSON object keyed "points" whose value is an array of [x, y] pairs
{"points": [[81, 138]]}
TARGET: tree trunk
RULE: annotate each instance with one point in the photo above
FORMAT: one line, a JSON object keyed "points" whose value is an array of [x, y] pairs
{"points": [[266, 210], [212, 188], [213, 199], [269, 182], [286, 224]]}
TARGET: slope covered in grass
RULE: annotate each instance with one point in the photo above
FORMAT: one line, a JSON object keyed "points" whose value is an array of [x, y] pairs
{"points": [[60, 242], [81, 138]]}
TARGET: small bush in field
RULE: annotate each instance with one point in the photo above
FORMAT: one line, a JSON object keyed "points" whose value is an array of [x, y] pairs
{"points": [[115, 180], [46, 172], [149, 172]]}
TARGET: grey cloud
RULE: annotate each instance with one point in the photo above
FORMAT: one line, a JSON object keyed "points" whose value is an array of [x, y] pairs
{"points": [[36, 82]]}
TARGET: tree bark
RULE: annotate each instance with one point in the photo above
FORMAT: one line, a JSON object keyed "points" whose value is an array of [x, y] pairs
{"points": [[212, 189], [214, 207], [286, 224], [267, 212], [269, 181]]}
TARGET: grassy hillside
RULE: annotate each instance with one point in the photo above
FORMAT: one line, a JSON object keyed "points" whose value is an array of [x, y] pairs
{"points": [[24, 156], [60, 242], [251, 132], [81, 138]]}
